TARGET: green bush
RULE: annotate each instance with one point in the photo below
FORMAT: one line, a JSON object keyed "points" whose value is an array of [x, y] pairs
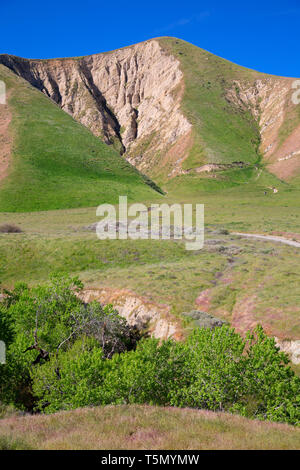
{"points": [[71, 379], [45, 321], [214, 369], [146, 375], [224, 372], [82, 376], [63, 354]]}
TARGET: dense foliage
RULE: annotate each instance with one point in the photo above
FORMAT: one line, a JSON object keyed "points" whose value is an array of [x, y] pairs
{"points": [[40, 323], [63, 354]]}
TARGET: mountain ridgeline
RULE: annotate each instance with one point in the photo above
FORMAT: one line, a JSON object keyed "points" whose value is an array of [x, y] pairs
{"points": [[162, 108]]}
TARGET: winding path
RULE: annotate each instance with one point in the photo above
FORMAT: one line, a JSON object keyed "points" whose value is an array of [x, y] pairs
{"points": [[270, 238]]}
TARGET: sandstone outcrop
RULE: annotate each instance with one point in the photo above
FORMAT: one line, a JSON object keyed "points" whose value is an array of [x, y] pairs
{"points": [[125, 96], [270, 102], [137, 310], [292, 348]]}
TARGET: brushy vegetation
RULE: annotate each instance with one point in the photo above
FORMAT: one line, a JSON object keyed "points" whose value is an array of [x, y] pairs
{"points": [[37, 323], [63, 354], [58, 163]]}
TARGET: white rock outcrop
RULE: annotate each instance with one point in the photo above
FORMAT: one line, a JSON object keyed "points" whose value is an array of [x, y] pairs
{"points": [[123, 96], [292, 348], [137, 310]]}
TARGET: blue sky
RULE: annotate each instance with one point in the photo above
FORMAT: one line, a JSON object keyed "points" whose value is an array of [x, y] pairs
{"points": [[263, 35]]}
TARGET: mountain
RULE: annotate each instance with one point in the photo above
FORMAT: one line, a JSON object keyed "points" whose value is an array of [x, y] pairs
{"points": [[50, 161], [176, 112]]}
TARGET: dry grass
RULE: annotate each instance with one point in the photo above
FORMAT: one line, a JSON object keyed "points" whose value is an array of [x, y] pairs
{"points": [[145, 427]]}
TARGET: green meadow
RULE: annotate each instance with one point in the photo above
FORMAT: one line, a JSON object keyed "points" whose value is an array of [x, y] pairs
{"points": [[163, 270]]}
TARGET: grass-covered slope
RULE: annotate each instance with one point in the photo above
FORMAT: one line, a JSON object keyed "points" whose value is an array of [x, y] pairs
{"points": [[56, 162], [240, 275], [145, 428], [225, 130], [229, 107], [222, 133]]}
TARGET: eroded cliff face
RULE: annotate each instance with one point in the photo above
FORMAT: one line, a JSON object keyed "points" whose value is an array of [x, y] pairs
{"points": [[126, 97], [157, 320], [132, 98], [137, 310], [270, 102], [292, 348]]}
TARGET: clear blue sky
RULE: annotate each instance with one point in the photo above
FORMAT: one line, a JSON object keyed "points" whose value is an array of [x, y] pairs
{"points": [[263, 35]]}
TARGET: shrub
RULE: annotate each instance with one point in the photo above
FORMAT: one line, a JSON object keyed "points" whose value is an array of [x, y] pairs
{"points": [[46, 320], [70, 379], [214, 369], [82, 376], [224, 372], [146, 375], [63, 354]]}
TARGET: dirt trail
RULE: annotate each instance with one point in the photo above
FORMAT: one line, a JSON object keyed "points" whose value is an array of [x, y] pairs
{"points": [[5, 139], [270, 238]]}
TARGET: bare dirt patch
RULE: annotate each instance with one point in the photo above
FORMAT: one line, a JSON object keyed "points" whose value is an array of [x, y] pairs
{"points": [[5, 140], [287, 162], [286, 169], [178, 153], [203, 301], [243, 314]]}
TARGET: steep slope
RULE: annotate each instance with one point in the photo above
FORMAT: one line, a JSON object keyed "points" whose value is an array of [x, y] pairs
{"points": [[124, 97], [238, 115], [51, 161], [175, 110]]}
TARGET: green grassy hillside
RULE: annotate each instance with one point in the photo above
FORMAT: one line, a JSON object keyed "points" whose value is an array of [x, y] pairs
{"points": [[221, 133], [79, 170], [228, 135], [59, 172], [56, 162]]}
